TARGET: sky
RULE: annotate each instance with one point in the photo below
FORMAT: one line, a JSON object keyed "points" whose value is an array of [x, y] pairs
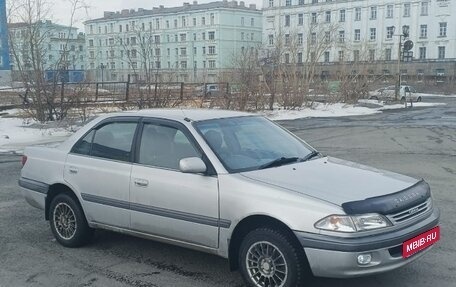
{"points": [[61, 8]]}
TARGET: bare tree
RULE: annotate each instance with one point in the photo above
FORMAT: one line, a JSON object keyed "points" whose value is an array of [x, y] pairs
{"points": [[29, 51]]}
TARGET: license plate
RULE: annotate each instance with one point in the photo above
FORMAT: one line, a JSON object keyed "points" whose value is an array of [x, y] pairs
{"points": [[421, 242]]}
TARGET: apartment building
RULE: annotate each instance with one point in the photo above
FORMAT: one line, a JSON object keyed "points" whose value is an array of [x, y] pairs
{"points": [[194, 42], [367, 31], [61, 49]]}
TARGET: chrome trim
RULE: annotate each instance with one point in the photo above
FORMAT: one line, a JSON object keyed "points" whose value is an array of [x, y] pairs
{"points": [[411, 213]]}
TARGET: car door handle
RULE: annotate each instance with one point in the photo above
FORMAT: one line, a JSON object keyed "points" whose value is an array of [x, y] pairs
{"points": [[141, 182], [73, 169]]}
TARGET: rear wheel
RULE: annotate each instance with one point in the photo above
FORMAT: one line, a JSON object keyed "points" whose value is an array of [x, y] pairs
{"points": [[68, 223], [268, 258], [374, 98], [419, 99]]}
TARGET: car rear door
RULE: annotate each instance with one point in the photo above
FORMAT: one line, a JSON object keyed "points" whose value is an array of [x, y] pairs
{"points": [[164, 201], [99, 167]]}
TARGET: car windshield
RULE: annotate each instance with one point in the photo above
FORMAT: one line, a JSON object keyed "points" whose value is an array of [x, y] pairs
{"points": [[251, 143]]}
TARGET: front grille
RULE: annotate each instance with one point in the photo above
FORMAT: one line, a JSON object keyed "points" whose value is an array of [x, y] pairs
{"points": [[411, 213]]}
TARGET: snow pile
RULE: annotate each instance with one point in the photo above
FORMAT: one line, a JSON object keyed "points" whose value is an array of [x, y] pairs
{"points": [[320, 110], [415, 105]]}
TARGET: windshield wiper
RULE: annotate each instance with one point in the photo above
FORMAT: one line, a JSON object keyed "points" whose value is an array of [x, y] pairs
{"points": [[279, 162], [310, 156]]}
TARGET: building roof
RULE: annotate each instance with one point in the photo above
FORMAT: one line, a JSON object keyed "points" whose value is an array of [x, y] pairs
{"points": [[19, 25], [187, 7]]}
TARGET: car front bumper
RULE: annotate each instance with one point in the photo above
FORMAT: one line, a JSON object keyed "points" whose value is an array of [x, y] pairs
{"points": [[336, 257]]}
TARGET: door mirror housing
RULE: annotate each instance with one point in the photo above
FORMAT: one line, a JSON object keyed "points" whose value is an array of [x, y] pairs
{"points": [[192, 165]]}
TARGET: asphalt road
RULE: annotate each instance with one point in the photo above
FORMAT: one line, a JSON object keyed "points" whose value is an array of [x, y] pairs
{"points": [[418, 142]]}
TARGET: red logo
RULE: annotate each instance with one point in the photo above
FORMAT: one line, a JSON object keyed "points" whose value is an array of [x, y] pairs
{"points": [[420, 242]]}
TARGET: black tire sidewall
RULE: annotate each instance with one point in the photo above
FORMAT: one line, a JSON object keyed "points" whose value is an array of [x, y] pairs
{"points": [[295, 262], [83, 231]]}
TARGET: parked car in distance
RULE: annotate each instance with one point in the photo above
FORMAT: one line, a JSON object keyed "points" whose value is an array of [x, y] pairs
{"points": [[232, 184], [209, 90], [406, 93]]}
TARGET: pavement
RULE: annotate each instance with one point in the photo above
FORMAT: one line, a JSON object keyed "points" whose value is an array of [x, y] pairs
{"points": [[419, 142]]}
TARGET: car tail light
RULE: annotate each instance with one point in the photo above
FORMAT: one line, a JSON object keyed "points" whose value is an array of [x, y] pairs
{"points": [[24, 160]]}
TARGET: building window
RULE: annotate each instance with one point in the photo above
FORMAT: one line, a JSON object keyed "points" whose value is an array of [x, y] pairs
{"points": [[314, 1], [356, 55], [371, 55], [287, 58], [271, 3], [443, 29], [271, 40], [373, 12], [183, 64], [422, 53], [358, 14], [203, 21], [211, 35], [341, 56], [328, 16], [300, 19], [441, 52], [388, 54], [373, 34], [288, 3], [342, 15], [252, 22], [423, 31], [357, 35], [407, 10], [326, 57], [389, 11], [183, 52], [203, 36], [212, 19], [299, 58], [300, 39], [287, 39], [175, 23], [183, 37], [301, 2], [389, 32], [184, 21], [242, 21], [212, 64], [313, 18], [287, 20], [211, 50], [194, 21], [327, 37], [341, 36], [313, 38], [242, 36], [424, 8]]}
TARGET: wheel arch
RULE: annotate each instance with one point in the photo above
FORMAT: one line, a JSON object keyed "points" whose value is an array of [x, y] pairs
{"points": [[250, 223], [56, 189]]}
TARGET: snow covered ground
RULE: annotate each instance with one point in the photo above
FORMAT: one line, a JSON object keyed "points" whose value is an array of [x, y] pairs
{"points": [[17, 133]]}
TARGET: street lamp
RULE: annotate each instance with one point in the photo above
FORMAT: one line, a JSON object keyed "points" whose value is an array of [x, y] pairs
{"points": [[408, 45], [102, 67]]}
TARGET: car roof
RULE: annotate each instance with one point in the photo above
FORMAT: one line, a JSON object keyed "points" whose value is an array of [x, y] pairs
{"points": [[181, 114]]}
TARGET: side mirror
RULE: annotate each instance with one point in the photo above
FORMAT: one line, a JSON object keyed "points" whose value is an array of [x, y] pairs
{"points": [[192, 165]]}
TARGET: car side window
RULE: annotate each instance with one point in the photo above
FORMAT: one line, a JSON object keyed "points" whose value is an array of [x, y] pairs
{"points": [[84, 145], [164, 146], [114, 141]]}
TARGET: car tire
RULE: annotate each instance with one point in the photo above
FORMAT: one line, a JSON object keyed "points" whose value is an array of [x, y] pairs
{"points": [[419, 99], [403, 100], [68, 222], [373, 98], [269, 258]]}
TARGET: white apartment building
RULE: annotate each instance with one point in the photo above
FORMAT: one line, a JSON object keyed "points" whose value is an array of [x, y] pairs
{"points": [[368, 30], [61, 49], [193, 42]]}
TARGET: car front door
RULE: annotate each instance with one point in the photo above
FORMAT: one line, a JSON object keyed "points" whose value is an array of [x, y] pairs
{"points": [[166, 202], [99, 167]]}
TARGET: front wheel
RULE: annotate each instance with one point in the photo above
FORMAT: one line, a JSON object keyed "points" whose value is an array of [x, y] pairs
{"points": [[268, 258], [68, 223], [419, 99]]}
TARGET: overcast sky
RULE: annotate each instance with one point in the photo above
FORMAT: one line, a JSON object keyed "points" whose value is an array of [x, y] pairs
{"points": [[61, 9]]}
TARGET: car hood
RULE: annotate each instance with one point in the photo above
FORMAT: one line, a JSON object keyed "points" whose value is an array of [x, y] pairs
{"points": [[333, 180]]}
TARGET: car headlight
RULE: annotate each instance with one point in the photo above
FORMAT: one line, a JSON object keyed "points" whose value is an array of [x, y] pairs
{"points": [[353, 223]]}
